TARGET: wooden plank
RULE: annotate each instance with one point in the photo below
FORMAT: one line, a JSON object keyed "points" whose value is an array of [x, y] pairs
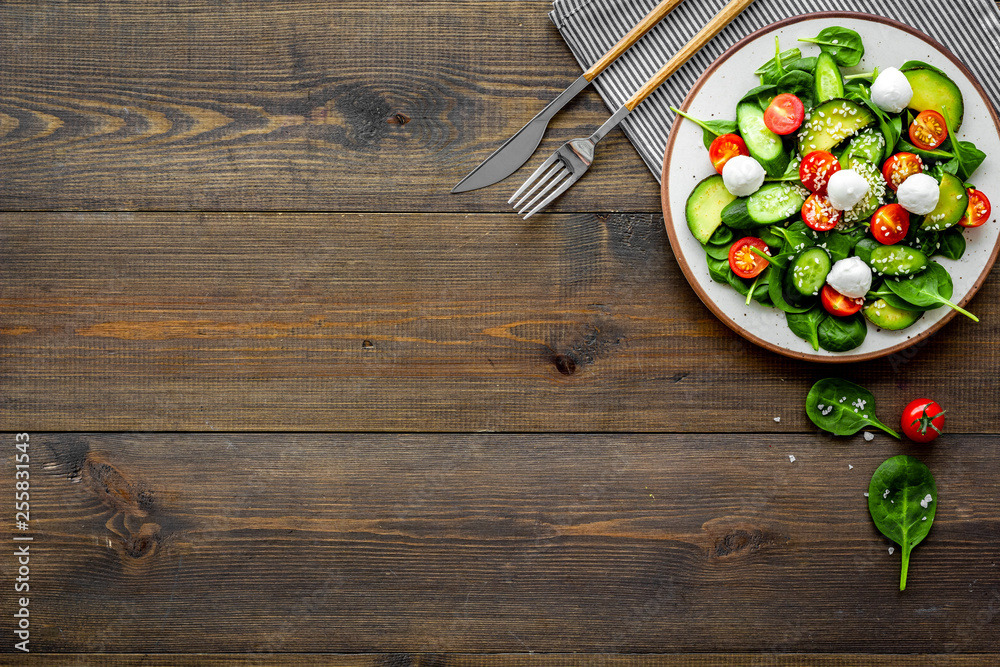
{"points": [[518, 660], [408, 322], [311, 106], [230, 543]]}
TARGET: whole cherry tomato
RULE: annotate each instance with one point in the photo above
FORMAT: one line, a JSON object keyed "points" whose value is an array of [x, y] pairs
{"points": [[922, 420], [784, 114]]}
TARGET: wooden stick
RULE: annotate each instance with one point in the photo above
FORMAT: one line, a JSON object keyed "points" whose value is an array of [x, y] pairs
{"points": [[633, 35]]}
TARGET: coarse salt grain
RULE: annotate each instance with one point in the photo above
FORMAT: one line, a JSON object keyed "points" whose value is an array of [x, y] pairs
{"points": [[869, 436], [791, 458]]}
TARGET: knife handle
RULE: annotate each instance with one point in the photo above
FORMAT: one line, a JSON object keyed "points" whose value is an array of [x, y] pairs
{"points": [[633, 35], [711, 29]]}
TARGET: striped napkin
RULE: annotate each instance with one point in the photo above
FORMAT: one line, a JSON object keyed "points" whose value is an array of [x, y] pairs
{"points": [[968, 28]]}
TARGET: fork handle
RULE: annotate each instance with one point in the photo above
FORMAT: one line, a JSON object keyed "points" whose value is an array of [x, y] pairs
{"points": [[711, 29], [633, 35]]}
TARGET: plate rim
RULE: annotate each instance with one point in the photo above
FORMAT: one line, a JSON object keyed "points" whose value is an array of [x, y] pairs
{"points": [[686, 269]]}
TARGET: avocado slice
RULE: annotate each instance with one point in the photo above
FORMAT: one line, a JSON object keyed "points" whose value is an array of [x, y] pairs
{"points": [[932, 89], [704, 207], [952, 202], [830, 123], [884, 316]]}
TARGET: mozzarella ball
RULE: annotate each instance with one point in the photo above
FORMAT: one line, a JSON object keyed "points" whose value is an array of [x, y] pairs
{"points": [[851, 277], [845, 189], [891, 91], [742, 175], [918, 194]]}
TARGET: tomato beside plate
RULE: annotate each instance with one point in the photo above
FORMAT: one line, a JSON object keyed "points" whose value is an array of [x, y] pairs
{"points": [[922, 420]]}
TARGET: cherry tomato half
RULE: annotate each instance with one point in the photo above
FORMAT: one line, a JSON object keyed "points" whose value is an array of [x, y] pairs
{"points": [[928, 130], [819, 214], [744, 262], [784, 114], [725, 147], [837, 304], [890, 224], [978, 211], [899, 167], [816, 169], [922, 420]]}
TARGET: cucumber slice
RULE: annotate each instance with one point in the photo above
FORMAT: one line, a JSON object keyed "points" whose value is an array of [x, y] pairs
{"points": [[897, 260], [868, 144], [932, 89], [704, 207], [830, 123], [764, 145], [806, 275], [774, 202], [952, 202], [829, 83], [865, 208], [885, 316]]}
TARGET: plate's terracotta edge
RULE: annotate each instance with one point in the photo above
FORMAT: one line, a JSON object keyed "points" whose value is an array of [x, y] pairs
{"points": [[675, 244]]}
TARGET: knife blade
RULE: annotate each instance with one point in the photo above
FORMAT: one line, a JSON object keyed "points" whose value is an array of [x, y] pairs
{"points": [[514, 152]]}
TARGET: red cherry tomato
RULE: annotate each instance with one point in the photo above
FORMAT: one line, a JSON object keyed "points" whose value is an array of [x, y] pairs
{"points": [[744, 262], [725, 147], [899, 167], [928, 130], [784, 114], [978, 211], [837, 304], [819, 214], [816, 169], [890, 224], [922, 420]]}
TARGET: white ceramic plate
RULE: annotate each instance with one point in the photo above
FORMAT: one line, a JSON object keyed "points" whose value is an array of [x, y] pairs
{"points": [[714, 96]]}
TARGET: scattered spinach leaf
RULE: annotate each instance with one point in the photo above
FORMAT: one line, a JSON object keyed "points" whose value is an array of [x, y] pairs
{"points": [[842, 407], [896, 301], [807, 64], [902, 499], [967, 159], [840, 334], [931, 286], [779, 265], [843, 44], [805, 324], [761, 95], [710, 128]]}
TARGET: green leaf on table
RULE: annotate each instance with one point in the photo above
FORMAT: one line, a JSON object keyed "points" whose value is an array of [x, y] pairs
{"points": [[842, 407], [902, 499], [843, 44]]}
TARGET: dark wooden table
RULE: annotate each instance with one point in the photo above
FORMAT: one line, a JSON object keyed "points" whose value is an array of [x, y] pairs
{"points": [[289, 401]]}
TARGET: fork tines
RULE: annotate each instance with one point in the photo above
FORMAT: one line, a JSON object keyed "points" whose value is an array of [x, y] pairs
{"points": [[552, 179]]}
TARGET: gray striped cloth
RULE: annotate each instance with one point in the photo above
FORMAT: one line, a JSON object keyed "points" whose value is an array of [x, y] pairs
{"points": [[968, 28]]}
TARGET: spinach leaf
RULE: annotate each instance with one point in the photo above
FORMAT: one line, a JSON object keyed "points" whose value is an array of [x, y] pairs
{"points": [[795, 239], [721, 236], [842, 407], [805, 324], [718, 269], [934, 154], [710, 128], [840, 244], [967, 159], [741, 285], [800, 84], [902, 499], [807, 64], [896, 301], [952, 243], [716, 251], [840, 334], [931, 286], [919, 64], [761, 95], [776, 67], [772, 240], [843, 44]]}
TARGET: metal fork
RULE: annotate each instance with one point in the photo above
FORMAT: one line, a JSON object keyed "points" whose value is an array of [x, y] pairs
{"points": [[571, 160]]}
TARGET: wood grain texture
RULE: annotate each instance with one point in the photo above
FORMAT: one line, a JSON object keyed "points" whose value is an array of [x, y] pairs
{"points": [[413, 322], [300, 105], [499, 543]]}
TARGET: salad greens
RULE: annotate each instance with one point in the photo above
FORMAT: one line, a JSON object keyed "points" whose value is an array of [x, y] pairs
{"points": [[902, 498], [842, 407], [841, 121]]}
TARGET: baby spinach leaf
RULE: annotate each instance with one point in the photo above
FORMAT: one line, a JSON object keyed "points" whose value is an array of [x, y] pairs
{"points": [[761, 95], [902, 498], [952, 243], [800, 84], [716, 251], [842, 407], [805, 324], [931, 286], [807, 64], [840, 334], [919, 64], [718, 269], [843, 44], [721, 236], [896, 301], [967, 159], [776, 67], [710, 128]]}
